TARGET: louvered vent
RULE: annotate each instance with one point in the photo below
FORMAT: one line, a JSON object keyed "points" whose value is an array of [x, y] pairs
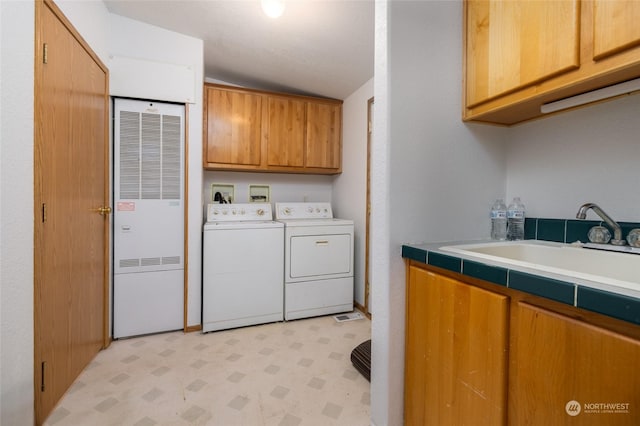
{"points": [[150, 261], [129, 155], [171, 260], [170, 157], [129, 263], [150, 157]]}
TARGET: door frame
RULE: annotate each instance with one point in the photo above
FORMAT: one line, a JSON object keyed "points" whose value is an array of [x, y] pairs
{"points": [[367, 250]]}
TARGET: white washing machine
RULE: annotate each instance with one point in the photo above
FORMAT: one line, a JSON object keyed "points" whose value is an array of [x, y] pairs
{"points": [[318, 261], [242, 273]]}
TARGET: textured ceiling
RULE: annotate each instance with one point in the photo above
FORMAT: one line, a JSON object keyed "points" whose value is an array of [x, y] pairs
{"points": [[317, 47]]}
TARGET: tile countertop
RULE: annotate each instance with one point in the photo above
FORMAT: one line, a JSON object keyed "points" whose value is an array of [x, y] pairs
{"points": [[616, 302]]}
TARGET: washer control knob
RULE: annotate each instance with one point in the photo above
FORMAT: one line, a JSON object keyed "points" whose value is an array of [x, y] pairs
{"points": [[287, 211], [242, 211], [260, 212], [225, 212]]}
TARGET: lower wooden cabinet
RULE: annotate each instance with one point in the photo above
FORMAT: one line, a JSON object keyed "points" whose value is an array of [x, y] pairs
{"points": [[478, 357], [456, 353], [566, 372]]}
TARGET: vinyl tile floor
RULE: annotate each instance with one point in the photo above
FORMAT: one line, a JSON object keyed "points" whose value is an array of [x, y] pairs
{"points": [[287, 374]]}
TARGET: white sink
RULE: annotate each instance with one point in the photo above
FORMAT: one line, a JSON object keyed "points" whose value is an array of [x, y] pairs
{"points": [[617, 269]]}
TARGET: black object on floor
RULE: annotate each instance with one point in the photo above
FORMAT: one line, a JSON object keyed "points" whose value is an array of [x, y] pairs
{"points": [[361, 359]]}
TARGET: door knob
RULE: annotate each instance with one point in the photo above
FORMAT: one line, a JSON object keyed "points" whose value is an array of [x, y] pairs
{"points": [[104, 210]]}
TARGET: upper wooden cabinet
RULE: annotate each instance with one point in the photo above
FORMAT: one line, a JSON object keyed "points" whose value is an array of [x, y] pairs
{"points": [[522, 54], [253, 130], [324, 127], [615, 26], [285, 132], [513, 44], [234, 127]]}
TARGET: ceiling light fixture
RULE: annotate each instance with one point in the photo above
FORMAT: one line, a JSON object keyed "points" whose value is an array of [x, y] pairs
{"points": [[627, 87], [273, 8]]}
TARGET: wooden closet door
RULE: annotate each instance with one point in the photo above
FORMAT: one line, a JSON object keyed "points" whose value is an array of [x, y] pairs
{"points": [[71, 185]]}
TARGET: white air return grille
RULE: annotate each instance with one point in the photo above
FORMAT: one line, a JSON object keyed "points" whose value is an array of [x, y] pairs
{"points": [[150, 156]]}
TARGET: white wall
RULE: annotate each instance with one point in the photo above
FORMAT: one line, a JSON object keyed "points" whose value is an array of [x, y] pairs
{"points": [[591, 154], [284, 187], [442, 174], [350, 188], [16, 212], [134, 39], [383, 405], [91, 19]]}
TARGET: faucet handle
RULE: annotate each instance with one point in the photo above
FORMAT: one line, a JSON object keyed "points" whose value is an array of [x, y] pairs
{"points": [[633, 238], [599, 235]]}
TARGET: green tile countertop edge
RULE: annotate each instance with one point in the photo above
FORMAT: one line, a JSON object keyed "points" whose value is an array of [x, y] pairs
{"points": [[615, 305]]}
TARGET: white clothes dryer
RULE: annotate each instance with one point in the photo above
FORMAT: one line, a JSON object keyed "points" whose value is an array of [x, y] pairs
{"points": [[242, 272], [318, 261]]}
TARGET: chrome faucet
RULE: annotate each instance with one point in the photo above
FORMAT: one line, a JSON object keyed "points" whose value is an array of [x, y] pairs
{"points": [[617, 232]]}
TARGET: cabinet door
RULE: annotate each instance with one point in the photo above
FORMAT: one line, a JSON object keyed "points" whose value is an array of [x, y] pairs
{"points": [[285, 132], [615, 26], [456, 358], [234, 130], [564, 371], [324, 134], [513, 44]]}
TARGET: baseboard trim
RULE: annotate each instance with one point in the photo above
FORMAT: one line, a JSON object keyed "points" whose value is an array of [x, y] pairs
{"points": [[361, 309], [191, 328]]}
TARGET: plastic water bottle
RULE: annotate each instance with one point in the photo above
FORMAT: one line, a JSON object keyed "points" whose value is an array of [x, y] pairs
{"points": [[515, 220], [499, 220]]}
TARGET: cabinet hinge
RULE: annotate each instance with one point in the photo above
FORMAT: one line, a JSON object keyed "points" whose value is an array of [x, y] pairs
{"points": [[44, 363], [45, 53], [44, 212]]}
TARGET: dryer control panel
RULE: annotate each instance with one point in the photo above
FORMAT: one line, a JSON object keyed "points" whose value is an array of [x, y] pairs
{"points": [[303, 211]]}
